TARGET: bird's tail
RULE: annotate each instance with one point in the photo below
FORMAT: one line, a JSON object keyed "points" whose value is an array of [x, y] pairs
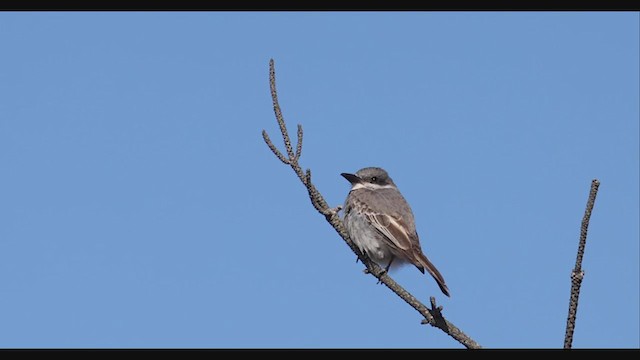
{"points": [[426, 264]]}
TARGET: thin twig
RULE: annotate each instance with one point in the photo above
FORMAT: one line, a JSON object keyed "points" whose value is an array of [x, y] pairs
{"points": [[278, 112], [273, 148], [578, 274], [432, 316], [299, 145]]}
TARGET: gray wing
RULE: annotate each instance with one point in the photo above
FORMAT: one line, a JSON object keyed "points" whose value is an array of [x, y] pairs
{"points": [[392, 217]]}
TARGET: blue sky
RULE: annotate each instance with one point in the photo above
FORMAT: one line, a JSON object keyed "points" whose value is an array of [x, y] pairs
{"points": [[141, 208]]}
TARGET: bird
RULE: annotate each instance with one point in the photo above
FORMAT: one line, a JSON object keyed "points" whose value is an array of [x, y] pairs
{"points": [[380, 222]]}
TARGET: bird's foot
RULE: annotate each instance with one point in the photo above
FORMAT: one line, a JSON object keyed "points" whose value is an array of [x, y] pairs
{"points": [[332, 211], [380, 274]]}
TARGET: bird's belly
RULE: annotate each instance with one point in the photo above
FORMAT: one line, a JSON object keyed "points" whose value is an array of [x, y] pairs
{"points": [[368, 239]]}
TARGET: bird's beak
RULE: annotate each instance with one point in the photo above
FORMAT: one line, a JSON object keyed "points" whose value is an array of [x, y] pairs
{"points": [[352, 178]]}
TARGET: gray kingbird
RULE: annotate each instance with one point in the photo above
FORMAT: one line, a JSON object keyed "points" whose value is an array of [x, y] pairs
{"points": [[380, 222]]}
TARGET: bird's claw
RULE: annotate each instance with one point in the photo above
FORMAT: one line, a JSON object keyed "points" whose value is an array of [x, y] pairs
{"points": [[333, 211]]}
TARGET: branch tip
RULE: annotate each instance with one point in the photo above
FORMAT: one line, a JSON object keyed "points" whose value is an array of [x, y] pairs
{"points": [[299, 144], [273, 148]]}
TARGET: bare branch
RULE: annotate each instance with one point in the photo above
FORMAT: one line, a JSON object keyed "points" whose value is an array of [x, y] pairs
{"points": [[307, 177], [313, 195], [299, 145], [432, 316], [273, 148], [578, 274], [278, 112]]}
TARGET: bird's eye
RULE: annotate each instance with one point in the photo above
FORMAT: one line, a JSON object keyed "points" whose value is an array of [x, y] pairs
{"points": [[373, 179]]}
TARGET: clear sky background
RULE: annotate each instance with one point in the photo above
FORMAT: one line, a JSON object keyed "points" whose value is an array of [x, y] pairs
{"points": [[140, 207]]}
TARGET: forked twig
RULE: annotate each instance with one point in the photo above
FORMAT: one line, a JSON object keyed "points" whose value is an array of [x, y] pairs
{"points": [[432, 316]]}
